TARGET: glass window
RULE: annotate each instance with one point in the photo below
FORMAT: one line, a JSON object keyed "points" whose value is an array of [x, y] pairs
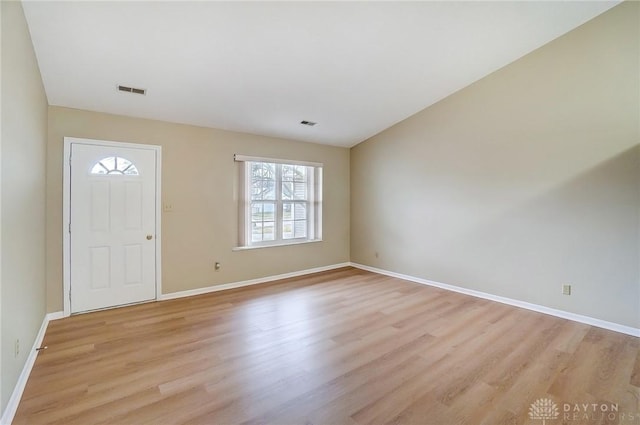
{"points": [[283, 203], [114, 165]]}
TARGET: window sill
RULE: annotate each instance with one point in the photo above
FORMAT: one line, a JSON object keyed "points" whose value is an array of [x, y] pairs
{"points": [[245, 248]]}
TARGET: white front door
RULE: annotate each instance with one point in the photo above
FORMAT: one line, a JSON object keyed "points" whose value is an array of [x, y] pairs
{"points": [[112, 226]]}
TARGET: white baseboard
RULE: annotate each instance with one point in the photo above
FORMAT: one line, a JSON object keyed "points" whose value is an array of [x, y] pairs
{"points": [[12, 405], [56, 315], [224, 286], [628, 330]]}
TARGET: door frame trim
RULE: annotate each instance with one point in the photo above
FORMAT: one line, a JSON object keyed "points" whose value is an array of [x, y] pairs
{"points": [[66, 212]]}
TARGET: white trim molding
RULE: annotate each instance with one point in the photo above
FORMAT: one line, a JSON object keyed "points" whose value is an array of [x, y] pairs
{"points": [[240, 284], [247, 158], [66, 212], [55, 316], [16, 395], [628, 330]]}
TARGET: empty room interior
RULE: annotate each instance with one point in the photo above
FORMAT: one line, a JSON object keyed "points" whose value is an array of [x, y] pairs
{"points": [[320, 213]]}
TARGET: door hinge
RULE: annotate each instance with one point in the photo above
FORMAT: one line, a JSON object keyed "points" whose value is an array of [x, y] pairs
{"points": [[69, 227]]}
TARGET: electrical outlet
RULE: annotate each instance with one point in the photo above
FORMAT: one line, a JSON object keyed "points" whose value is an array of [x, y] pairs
{"points": [[566, 289], [17, 348], [167, 207]]}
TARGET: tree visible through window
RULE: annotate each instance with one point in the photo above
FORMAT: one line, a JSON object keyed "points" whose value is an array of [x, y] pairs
{"points": [[282, 203], [263, 201]]}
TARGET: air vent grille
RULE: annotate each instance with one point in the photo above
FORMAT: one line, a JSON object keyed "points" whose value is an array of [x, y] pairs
{"points": [[132, 90], [309, 123]]}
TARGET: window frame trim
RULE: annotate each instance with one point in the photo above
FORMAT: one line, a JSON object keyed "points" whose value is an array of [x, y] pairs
{"points": [[313, 202], [247, 158]]}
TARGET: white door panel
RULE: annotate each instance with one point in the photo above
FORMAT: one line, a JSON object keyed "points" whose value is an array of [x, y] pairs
{"points": [[113, 222]]}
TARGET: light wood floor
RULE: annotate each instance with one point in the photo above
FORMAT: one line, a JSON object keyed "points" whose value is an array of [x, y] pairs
{"points": [[341, 347]]}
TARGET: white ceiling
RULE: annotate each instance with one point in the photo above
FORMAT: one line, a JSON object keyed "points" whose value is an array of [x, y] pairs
{"points": [[355, 68]]}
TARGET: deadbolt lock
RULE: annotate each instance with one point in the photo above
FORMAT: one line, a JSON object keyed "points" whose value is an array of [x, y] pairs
{"points": [[149, 237]]}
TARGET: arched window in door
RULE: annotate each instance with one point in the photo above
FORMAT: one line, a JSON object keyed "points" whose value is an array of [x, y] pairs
{"points": [[114, 165]]}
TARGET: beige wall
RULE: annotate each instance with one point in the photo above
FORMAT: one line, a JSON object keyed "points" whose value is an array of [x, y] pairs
{"points": [[521, 182], [24, 132], [198, 178]]}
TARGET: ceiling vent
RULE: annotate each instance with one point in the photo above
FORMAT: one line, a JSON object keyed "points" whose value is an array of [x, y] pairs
{"points": [[309, 123], [132, 90]]}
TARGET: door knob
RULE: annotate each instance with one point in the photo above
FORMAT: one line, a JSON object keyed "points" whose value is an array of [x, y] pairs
{"points": [[149, 237]]}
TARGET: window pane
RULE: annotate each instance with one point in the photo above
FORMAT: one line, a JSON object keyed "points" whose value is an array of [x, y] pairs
{"points": [[99, 168], [256, 212], [256, 190], [256, 232], [131, 170], [256, 170], [287, 190], [269, 211], [263, 183], [268, 171], [287, 211], [114, 165], [300, 174], [287, 172], [300, 211], [268, 231], [287, 230], [269, 189], [109, 163], [300, 229], [300, 190], [122, 164]]}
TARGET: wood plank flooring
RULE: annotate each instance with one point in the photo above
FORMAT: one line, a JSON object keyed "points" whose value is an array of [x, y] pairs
{"points": [[341, 347]]}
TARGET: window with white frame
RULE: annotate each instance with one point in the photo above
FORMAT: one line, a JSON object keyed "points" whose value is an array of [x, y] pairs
{"points": [[114, 165], [280, 202]]}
